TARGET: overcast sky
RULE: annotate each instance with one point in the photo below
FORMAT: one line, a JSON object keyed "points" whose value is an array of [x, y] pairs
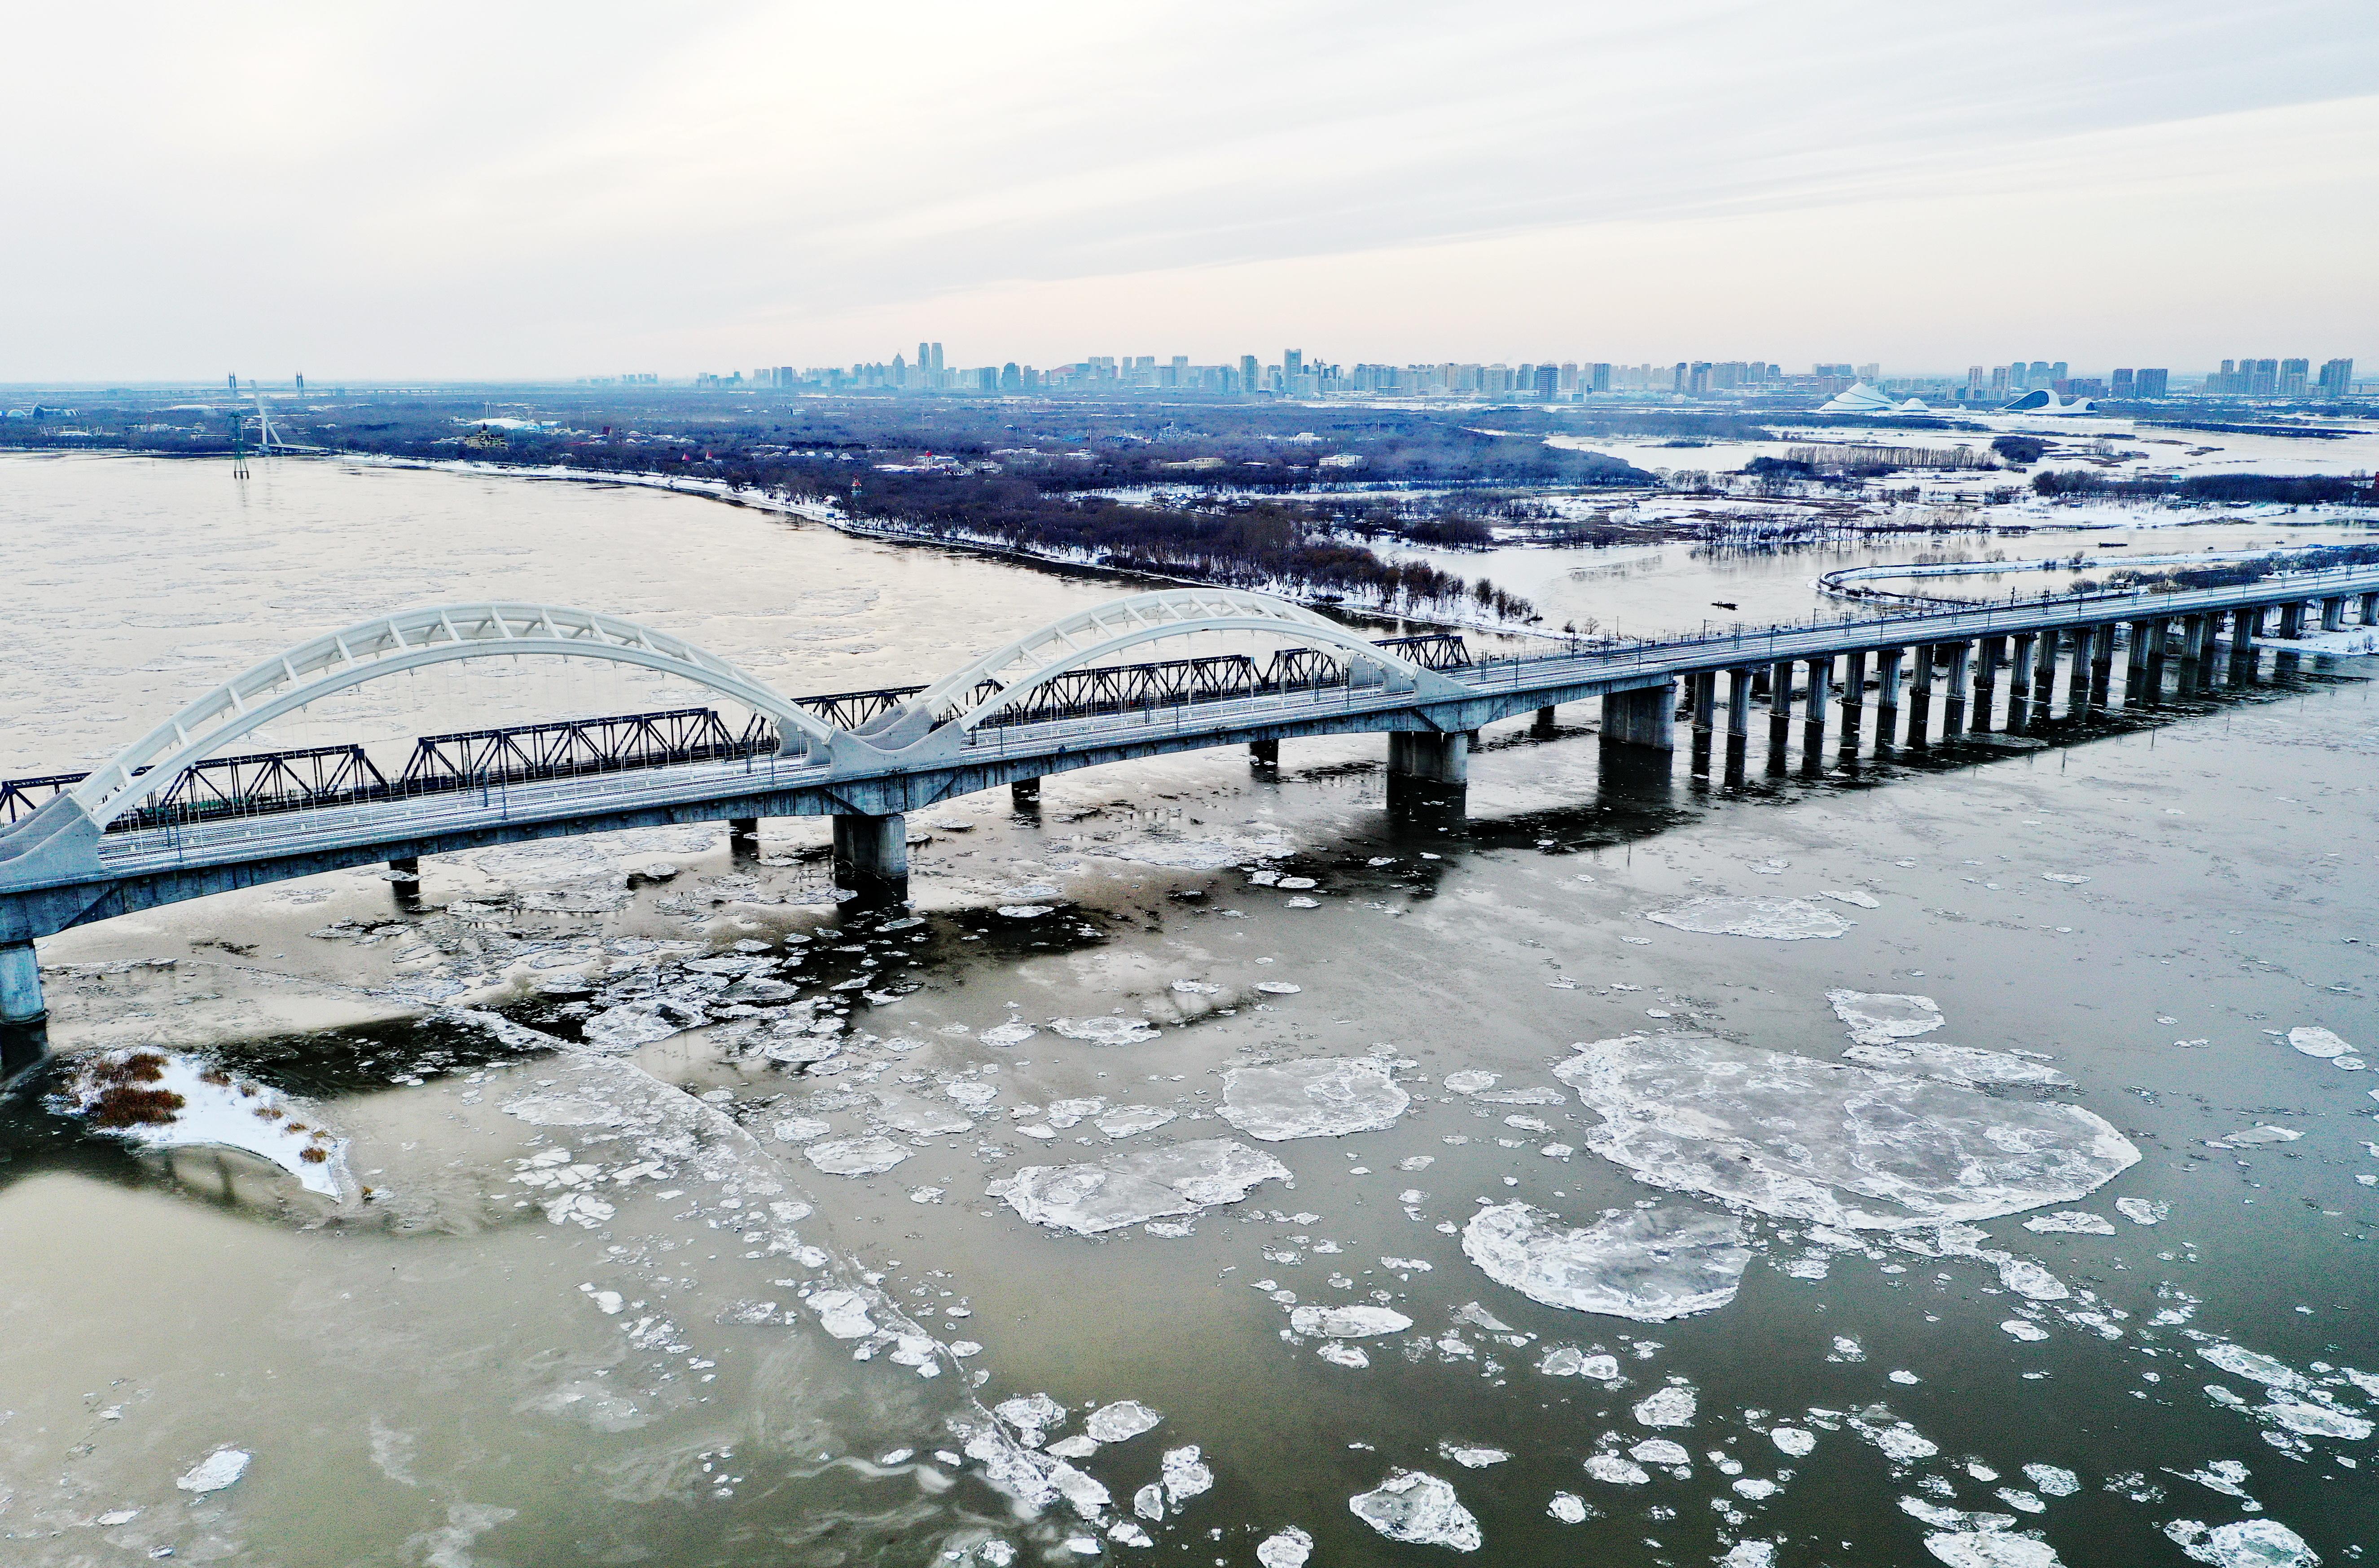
{"points": [[368, 191]]}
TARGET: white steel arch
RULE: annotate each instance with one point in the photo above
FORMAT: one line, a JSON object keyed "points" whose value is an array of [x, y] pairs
{"points": [[1089, 635], [409, 640]]}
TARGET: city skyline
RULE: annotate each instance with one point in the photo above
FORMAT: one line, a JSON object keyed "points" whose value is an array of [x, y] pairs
{"points": [[366, 199]]}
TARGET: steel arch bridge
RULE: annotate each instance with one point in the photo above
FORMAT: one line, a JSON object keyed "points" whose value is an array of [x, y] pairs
{"points": [[177, 814]]}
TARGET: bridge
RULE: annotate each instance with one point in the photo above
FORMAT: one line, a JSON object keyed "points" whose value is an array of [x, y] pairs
{"points": [[181, 813]]}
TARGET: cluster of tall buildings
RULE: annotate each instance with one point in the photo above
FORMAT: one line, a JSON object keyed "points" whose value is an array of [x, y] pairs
{"points": [[2281, 378], [1295, 376]]}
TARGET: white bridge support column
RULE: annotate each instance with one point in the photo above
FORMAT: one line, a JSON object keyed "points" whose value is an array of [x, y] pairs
{"points": [[20, 984], [1738, 721], [1648, 718], [1887, 697], [871, 853], [1954, 709], [1430, 758]]}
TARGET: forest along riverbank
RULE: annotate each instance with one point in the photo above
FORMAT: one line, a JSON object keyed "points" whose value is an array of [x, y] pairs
{"points": [[1206, 1153]]}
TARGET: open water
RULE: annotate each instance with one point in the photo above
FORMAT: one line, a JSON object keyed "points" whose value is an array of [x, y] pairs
{"points": [[1497, 1188]]}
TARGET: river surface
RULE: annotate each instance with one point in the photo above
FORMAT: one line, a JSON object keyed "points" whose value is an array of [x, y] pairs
{"points": [[1534, 1211]]}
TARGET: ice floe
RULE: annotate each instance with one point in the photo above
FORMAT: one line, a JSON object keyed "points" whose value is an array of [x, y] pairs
{"points": [[1413, 1505], [1858, 895], [1126, 1120], [1990, 1549], [2032, 1282], [1847, 1147], [1321, 1097], [1882, 1018], [222, 1468], [2249, 1543], [1567, 1507], [1348, 1322], [2313, 1041], [2247, 1137], [1646, 1264], [1006, 1035], [1781, 919], [1471, 1458], [1129, 1189], [856, 1156], [1107, 1030], [1186, 1474], [1124, 1419], [1671, 1406], [1618, 1472], [156, 1100], [1285, 1549], [1793, 1440], [2071, 1222]]}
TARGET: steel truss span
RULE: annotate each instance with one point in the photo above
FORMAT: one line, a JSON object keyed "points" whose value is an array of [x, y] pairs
{"points": [[181, 813]]}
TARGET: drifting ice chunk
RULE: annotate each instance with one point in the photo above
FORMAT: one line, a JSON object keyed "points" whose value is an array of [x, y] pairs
{"points": [[800, 1129], [1793, 1440], [907, 1114], [2053, 1480], [2030, 1280], [1469, 1081], [1126, 1120], [1959, 1063], [1123, 1419], [1617, 1471], [1471, 1458], [2142, 1210], [1412, 1505], [1288, 1548], [1324, 1097], [2254, 1135], [2314, 1420], [2071, 1222], [1129, 1189], [1567, 1507], [1185, 1476], [1860, 896], [1660, 1451], [1648, 1264], [856, 1156], [843, 1313], [216, 1471], [1845, 1147], [1034, 1416], [1781, 919], [2020, 1329], [1978, 1548], [1007, 1035], [631, 1024], [1279, 988], [1878, 1019], [1107, 1030], [1348, 1322], [2251, 1543], [1672, 1407], [2313, 1041]]}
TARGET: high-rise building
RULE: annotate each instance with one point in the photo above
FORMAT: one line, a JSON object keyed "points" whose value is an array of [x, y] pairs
{"points": [[1010, 378], [2122, 386], [2262, 376], [1292, 363], [2336, 377], [1601, 378], [2150, 383], [2039, 375], [1870, 372], [2294, 374], [2000, 386], [1548, 381], [1251, 373]]}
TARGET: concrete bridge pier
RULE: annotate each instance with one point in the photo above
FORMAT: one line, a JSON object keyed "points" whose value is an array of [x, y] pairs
{"points": [[1779, 713], [871, 853], [2159, 633], [20, 985], [1427, 771], [1813, 715], [2333, 614], [2245, 625], [1953, 715], [2369, 603], [1887, 697], [1702, 695], [2102, 665], [2020, 682], [2077, 676], [1853, 702], [1920, 697], [743, 834], [1648, 718], [2292, 620], [1989, 654], [1261, 754], [1543, 726], [2043, 677], [2135, 662], [1024, 794], [1738, 722]]}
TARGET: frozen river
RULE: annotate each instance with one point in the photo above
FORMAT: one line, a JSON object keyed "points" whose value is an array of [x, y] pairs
{"points": [[1971, 1162]]}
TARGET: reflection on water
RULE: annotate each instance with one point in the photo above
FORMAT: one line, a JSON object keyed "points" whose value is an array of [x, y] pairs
{"points": [[682, 1243]]}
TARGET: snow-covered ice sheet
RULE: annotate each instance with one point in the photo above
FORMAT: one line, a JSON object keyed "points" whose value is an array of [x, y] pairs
{"points": [[1780, 920], [162, 1101], [1413, 1505]]}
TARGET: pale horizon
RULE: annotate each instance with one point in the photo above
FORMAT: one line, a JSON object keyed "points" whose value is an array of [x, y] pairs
{"points": [[441, 194]]}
